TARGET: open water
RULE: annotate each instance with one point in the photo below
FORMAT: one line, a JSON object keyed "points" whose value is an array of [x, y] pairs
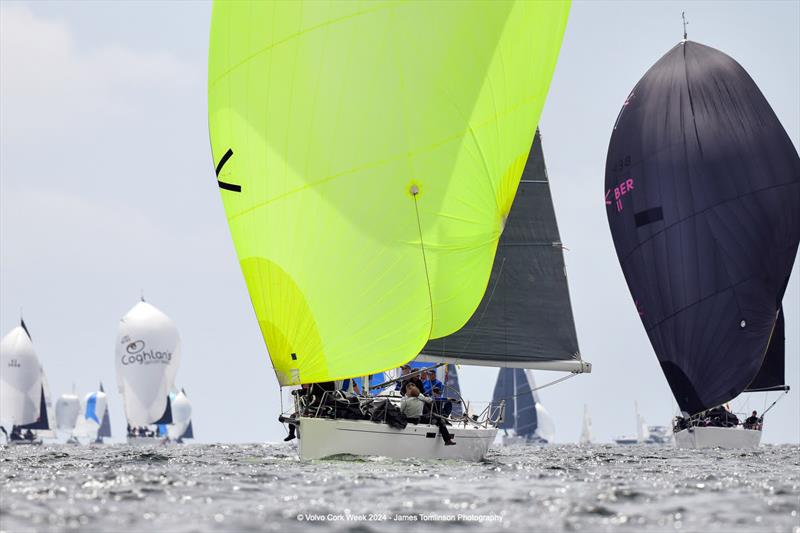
{"points": [[264, 487]]}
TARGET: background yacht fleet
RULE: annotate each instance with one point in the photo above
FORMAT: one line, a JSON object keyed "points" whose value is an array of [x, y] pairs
{"points": [[147, 359]]}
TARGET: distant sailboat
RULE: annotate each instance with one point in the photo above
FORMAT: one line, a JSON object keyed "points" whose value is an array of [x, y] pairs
{"points": [[404, 188], [642, 433], [525, 421], [586, 427], [68, 408], [181, 418], [702, 194], [23, 403], [147, 358], [646, 434], [93, 411]]}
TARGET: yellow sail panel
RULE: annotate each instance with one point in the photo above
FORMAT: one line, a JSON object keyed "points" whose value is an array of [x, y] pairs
{"points": [[367, 154]]}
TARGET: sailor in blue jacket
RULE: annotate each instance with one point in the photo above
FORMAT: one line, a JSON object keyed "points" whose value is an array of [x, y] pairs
{"points": [[429, 382]]}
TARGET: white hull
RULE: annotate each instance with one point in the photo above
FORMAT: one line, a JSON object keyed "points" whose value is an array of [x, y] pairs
{"points": [[717, 437], [323, 437], [146, 441]]}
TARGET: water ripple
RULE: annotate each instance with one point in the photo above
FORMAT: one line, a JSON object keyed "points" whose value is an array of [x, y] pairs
{"points": [[263, 487]]}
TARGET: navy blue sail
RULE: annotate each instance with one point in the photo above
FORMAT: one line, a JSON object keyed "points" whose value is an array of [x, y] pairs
{"points": [[42, 422], [771, 376], [513, 388], [453, 388], [702, 194]]}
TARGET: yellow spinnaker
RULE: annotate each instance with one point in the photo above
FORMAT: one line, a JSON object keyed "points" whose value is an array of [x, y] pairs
{"points": [[351, 137]]}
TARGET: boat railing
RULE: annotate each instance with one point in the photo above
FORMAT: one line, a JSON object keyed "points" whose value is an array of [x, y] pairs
{"points": [[332, 404], [680, 423]]}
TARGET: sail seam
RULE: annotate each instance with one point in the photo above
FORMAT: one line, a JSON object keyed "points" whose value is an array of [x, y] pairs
{"points": [[691, 102], [709, 208]]}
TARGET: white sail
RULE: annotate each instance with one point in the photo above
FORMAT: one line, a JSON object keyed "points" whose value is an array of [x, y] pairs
{"points": [[181, 415], [546, 428], [586, 430], [68, 408], [147, 359], [20, 380], [93, 408], [545, 425]]}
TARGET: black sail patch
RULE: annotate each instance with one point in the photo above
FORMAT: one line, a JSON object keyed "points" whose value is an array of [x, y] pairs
{"points": [[220, 165]]}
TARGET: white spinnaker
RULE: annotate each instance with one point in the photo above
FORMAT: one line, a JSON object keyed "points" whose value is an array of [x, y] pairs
{"points": [[68, 407], [181, 415], [147, 358], [20, 380]]}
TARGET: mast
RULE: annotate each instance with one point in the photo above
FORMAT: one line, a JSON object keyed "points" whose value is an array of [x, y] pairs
{"points": [[685, 22]]}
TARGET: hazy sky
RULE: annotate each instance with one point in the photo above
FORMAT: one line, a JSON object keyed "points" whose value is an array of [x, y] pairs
{"points": [[107, 188]]}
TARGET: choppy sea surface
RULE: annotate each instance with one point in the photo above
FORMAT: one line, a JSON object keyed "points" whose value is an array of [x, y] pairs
{"points": [[265, 487]]}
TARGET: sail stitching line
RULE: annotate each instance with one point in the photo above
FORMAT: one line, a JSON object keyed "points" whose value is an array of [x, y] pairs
{"points": [[709, 208], [691, 102]]}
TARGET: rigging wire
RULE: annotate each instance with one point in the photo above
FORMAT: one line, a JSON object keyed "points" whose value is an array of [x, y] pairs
{"points": [[414, 192], [540, 387]]}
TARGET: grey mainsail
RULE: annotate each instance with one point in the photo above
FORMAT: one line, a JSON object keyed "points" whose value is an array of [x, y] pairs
{"points": [[525, 317]]}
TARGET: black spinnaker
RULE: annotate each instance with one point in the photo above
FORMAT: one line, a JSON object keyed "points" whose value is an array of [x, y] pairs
{"points": [[703, 200]]}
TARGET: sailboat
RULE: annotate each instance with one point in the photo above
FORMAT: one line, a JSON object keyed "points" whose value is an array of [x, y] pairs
{"points": [[147, 357], [68, 408], [703, 201], [586, 428], [23, 399], [181, 418], [525, 420], [93, 411], [367, 178], [642, 433]]}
